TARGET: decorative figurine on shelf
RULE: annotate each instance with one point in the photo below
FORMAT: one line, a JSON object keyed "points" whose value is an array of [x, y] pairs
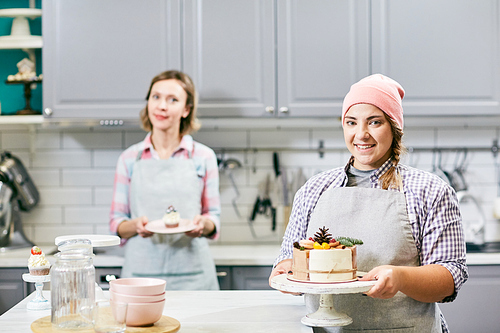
{"points": [[27, 76]]}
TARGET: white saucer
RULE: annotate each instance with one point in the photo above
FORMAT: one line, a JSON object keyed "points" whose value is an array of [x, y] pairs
{"points": [[96, 240], [158, 226]]}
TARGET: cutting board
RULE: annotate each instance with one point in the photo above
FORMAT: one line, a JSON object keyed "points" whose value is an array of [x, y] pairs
{"points": [[164, 325]]}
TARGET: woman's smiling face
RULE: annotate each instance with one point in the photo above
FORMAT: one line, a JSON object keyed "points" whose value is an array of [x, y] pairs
{"points": [[167, 104], [368, 136]]}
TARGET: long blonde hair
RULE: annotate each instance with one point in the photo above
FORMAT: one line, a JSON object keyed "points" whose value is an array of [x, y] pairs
{"points": [[391, 179]]}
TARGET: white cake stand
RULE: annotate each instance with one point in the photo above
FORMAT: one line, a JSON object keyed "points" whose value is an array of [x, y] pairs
{"points": [[39, 302], [326, 315]]}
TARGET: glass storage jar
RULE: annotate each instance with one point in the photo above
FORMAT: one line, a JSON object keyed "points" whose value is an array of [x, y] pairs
{"points": [[73, 286]]}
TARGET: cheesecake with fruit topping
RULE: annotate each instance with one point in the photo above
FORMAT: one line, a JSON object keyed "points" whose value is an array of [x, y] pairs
{"points": [[37, 263]]}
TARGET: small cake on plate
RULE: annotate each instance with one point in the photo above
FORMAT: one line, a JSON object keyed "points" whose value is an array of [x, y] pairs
{"points": [[37, 263], [171, 218]]}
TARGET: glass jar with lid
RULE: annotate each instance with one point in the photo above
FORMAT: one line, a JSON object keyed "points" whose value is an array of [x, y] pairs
{"points": [[73, 285]]}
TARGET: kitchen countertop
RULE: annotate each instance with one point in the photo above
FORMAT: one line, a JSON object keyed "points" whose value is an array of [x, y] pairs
{"points": [[202, 311], [224, 255]]}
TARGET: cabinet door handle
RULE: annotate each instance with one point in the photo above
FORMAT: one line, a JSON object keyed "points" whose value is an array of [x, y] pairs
{"points": [[284, 109], [48, 112], [270, 109], [221, 274]]}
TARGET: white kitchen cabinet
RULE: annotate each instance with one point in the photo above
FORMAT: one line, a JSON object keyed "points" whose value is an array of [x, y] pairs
{"points": [[99, 56], [282, 58], [444, 53], [270, 58], [477, 306]]}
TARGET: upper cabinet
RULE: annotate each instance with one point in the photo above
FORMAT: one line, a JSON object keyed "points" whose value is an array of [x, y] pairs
{"points": [[99, 56], [275, 58], [270, 58], [444, 53]]}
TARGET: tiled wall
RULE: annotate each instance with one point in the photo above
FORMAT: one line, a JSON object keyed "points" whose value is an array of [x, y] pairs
{"points": [[73, 169]]}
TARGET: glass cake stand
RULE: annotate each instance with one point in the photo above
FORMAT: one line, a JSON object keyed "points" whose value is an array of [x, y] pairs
{"points": [[39, 302], [326, 315]]}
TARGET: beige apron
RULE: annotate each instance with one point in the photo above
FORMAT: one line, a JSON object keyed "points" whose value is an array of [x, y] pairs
{"points": [[379, 218], [184, 262]]}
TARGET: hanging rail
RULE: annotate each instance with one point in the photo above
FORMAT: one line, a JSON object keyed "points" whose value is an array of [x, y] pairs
{"points": [[494, 149]]}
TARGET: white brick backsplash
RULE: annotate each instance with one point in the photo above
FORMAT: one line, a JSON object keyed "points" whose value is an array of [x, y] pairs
{"points": [[133, 137], [48, 140], [46, 235], [43, 215], [88, 177], [222, 138], [74, 172], [331, 138], [65, 196], [103, 195], [91, 140], [280, 139], [97, 215], [62, 159], [46, 176], [247, 195], [106, 158], [12, 141], [465, 137], [417, 138]]}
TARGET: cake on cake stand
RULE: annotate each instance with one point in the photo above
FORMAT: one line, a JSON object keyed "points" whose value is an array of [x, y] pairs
{"points": [[39, 302], [326, 315]]}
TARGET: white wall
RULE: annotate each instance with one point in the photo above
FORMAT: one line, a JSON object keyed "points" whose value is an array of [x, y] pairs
{"points": [[73, 169]]}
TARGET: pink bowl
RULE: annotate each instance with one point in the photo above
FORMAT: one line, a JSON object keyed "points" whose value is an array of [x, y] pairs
{"points": [[144, 314], [138, 286], [135, 298]]}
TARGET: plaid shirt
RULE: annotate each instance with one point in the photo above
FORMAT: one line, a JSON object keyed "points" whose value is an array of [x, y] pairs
{"points": [[432, 207], [205, 163]]}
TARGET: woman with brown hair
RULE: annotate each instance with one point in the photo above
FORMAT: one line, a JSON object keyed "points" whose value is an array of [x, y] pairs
{"points": [[408, 219], [168, 168]]}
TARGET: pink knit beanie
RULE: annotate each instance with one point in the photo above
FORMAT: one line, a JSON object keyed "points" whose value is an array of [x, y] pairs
{"points": [[380, 91]]}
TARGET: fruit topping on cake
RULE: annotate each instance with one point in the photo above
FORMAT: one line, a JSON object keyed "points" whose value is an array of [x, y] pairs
{"points": [[171, 217], [37, 263]]}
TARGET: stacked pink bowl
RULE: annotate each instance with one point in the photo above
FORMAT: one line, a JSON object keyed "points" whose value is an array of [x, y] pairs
{"points": [[145, 298]]}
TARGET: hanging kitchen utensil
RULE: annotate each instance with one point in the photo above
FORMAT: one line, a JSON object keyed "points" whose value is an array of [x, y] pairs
{"points": [[457, 176], [263, 206], [437, 168], [229, 165]]}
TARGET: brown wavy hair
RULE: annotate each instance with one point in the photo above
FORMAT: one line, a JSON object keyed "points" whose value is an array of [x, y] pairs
{"points": [[390, 178], [190, 123]]}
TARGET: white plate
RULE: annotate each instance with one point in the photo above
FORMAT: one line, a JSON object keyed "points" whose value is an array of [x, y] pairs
{"points": [[96, 240], [158, 226]]}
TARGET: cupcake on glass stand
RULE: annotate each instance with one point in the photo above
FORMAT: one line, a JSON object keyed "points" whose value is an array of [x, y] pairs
{"points": [[39, 268]]}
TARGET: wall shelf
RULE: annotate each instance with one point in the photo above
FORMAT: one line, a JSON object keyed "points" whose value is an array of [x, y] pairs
{"points": [[20, 37], [31, 119]]}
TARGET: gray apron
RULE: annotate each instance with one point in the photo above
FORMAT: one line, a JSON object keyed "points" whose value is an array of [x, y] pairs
{"points": [[184, 262], [379, 218]]}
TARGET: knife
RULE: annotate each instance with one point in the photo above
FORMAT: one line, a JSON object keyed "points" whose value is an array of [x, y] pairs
{"points": [[276, 164]]}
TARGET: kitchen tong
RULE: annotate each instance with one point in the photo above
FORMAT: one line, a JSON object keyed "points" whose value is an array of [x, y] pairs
{"points": [[263, 204]]}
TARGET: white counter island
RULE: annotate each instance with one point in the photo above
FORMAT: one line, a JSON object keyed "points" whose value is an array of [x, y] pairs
{"points": [[203, 311]]}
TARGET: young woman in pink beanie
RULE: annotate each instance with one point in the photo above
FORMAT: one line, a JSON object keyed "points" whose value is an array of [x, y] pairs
{"points": [[409, 220]]}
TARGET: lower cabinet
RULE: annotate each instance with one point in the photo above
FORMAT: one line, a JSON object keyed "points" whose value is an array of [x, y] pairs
{"points": [[244, 277], [13, 288], [476, 309]]}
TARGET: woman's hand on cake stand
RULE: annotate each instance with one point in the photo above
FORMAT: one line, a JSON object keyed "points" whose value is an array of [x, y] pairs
{"points": [[203, 227], [283, 267]]}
